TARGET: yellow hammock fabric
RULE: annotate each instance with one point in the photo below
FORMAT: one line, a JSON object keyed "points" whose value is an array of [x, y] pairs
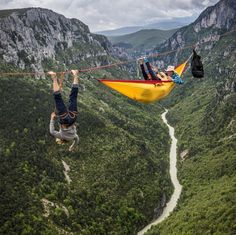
{"points": [[142, 90]]}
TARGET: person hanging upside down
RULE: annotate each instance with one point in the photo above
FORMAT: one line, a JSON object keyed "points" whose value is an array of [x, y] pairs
{"points": [[67, 116]]}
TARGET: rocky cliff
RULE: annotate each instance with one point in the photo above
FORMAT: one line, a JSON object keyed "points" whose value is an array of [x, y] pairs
{"points": [[29, 37], [220, 16], [205, 31], [213, 33], [203, 112]]}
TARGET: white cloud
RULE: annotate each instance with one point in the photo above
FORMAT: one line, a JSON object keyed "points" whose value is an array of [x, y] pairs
{"points": [[109, 14]]}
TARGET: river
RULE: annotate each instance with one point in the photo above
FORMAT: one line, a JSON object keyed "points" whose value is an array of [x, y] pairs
{"points": [[170, 206]]}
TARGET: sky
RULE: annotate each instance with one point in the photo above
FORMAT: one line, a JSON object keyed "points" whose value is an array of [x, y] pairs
{"points": [[111, 14]]}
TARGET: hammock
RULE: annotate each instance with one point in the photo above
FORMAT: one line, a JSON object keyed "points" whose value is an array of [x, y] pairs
{"points": [[144, 91]]}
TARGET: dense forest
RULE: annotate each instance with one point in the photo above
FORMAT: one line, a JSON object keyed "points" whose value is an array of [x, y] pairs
{"points": [[119, 173], [204, 113], [121, 158]]}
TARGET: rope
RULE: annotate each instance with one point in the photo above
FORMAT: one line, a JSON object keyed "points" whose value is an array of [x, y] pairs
{"points": [[189, 58], [114, 64]]}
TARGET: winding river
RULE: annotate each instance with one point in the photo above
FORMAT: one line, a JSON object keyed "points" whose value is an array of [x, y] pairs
{"points": [[170, 206]]}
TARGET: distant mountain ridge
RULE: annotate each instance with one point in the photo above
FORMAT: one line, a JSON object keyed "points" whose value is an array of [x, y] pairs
{"points": [[165, 25], [143, 39]]}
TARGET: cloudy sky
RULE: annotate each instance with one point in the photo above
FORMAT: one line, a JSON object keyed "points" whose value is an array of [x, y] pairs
{"points": [[111, 14]]}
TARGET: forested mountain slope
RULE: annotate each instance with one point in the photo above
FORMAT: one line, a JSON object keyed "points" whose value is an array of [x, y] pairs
{"points": [[143, 39], [119, 175], [204, 114]]}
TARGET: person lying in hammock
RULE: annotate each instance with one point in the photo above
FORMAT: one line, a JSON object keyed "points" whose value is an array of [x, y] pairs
{"points": [[172, 75], [67, 116], [154, 74]]}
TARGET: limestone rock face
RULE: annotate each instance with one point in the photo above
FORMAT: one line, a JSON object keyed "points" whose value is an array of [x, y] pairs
{"points": [[206, 33], [207, 28], [220, 16], [29, 36]]}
